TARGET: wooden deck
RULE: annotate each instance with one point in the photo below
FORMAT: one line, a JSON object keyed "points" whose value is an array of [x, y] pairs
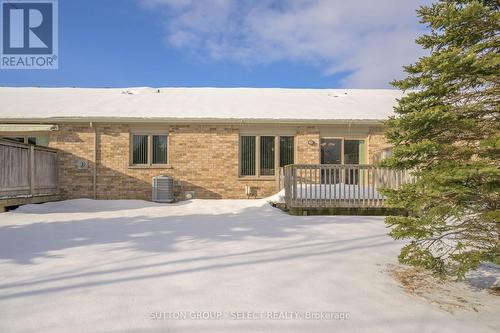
{"points": [[8, 203], [323, 186]]}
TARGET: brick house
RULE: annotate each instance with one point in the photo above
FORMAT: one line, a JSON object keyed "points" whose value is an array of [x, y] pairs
{"points": [[213, 141]]}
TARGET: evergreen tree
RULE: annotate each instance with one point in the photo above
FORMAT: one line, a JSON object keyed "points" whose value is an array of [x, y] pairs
{"points": [[447, 129]]}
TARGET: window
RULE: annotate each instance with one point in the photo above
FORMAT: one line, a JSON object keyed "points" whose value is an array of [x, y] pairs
{"points": [[140, 149], [32, 140], [267, 155], [42, 141], [159, 149], [149, 149], [286, 150], [259, 155], [247, 155]]}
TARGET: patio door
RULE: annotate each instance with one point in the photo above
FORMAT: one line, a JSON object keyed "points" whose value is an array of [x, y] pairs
{"points": [[354, 153], [342, 151], [331, 153]]}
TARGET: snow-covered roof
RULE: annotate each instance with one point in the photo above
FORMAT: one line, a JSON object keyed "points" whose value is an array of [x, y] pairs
{"points": [[197, 103]]}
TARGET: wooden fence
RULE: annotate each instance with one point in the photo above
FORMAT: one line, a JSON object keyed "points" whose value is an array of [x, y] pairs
{"points": [[336, 185], [27, 170]]}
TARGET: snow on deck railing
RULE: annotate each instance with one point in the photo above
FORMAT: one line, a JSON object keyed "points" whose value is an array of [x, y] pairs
{"points": [[340, 185]]}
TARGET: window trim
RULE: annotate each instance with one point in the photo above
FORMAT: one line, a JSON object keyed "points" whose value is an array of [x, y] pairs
{"points": [[257, 175], [149, 164]]}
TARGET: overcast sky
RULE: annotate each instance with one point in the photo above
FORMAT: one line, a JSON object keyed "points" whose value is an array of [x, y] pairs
{"points": [[263, 43]]}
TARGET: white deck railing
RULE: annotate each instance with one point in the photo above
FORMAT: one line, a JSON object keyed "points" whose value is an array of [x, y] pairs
{"points": [[323, 185]]}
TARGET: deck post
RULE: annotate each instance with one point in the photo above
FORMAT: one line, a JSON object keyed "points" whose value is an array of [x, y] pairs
{"points": [[294, 184], [32, 170]]}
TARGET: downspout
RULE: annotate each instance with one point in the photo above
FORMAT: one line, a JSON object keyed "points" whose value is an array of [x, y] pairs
{"points": [[94, 168]]}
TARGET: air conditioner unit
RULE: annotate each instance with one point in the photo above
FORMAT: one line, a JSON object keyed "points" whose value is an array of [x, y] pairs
{"points": [[163, 189]]}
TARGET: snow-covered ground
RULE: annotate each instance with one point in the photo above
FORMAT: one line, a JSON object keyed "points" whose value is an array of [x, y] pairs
{"points": [[107, 266]]}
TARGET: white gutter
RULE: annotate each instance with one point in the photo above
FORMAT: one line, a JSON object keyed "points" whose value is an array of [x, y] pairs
{"points": [[171, 120], [28, 128]]}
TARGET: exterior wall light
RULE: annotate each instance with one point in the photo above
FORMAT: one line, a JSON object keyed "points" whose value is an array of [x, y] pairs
{"points": [[311, 142]]}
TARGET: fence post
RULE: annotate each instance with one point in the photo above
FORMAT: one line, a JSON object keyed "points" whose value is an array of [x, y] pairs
{"points": [[277, 177], [293, 194], [32, 170], [57, 172]]}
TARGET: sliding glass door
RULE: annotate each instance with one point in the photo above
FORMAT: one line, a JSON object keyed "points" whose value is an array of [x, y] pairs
{"points": [[354, 153], [342, 151], [331, 153]]}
